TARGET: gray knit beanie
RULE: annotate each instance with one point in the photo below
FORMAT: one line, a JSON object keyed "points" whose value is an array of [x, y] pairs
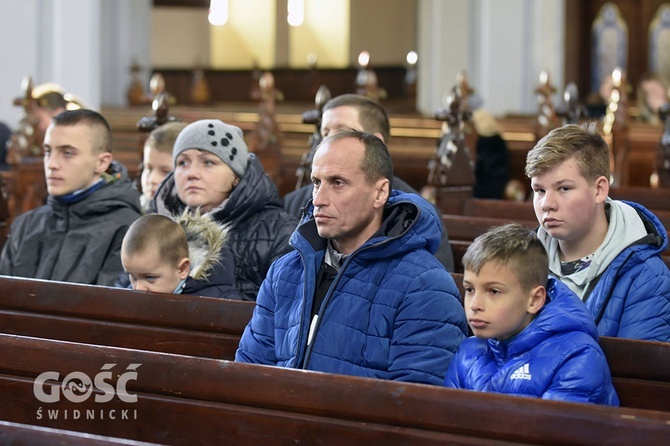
{"points": [[214, 136]]}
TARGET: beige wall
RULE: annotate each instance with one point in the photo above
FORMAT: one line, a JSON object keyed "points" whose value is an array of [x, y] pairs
{"points": [[335, 31], [247, 40], [325, 34], [384, 28], [179, 37]]}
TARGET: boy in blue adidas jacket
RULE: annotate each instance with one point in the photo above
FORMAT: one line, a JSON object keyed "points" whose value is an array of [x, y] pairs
{"points": [[533, 337]]}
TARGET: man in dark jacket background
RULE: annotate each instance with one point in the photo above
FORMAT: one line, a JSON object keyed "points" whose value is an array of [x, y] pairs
{"points": [[362, 294], [356, 112], [76, 236]]}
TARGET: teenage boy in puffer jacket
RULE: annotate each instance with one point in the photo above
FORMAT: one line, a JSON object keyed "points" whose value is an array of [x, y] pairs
{"points": [[607, 251]]}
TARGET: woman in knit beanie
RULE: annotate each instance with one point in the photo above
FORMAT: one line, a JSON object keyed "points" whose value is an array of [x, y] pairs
{"points": [[215, 173]]}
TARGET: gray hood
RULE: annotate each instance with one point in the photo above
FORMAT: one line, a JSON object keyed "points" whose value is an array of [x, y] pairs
{"points": [[625, 228]]}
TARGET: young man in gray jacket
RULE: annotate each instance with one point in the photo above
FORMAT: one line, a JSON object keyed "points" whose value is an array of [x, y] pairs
{"points": [[76, 236]]}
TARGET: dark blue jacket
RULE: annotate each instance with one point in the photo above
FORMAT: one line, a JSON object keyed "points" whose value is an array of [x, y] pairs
{"points": [[392, 312], [556, 357], [220, 281], [212, 271], [631, 299]]}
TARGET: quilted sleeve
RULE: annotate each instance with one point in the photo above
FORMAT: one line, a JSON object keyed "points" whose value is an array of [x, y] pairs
{"points": [[583, 377], [257, 344], [429, 327]]}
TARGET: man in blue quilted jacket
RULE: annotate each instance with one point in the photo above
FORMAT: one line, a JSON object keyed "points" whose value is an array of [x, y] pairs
{"points": [[362, 293], [533, 336], [607, 251]]}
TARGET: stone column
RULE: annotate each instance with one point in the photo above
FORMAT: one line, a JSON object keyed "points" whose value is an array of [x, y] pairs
{"points": [[126, 38], [85, 46], [502, 45]]}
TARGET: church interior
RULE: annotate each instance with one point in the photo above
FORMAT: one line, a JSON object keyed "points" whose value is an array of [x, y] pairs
{"points": [[470, 87]]}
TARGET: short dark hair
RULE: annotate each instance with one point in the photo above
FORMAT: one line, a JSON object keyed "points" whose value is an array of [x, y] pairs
{"points": [[371, 115], [88, 117], [512, 245], [376, 161]]}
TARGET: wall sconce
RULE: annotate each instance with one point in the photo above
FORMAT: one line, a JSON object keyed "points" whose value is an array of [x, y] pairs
{"points": [[218, 12], [296, 12]]}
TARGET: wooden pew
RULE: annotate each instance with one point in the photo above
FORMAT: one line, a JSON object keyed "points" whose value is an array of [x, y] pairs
{"points": [[188, 400], [181, 324], [466, 228], [654, 199], [458, 248], [190, 325], [490, 208], [206, 327], [25, 434], [640, 371]]}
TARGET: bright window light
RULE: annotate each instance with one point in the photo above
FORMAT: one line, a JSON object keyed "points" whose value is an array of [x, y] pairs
{"points": [[296, 12], [218, 12]]}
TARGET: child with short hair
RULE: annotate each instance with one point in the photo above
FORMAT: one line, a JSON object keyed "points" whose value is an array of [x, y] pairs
{"points": [[187, 256], [157, 159], [532, 336]]}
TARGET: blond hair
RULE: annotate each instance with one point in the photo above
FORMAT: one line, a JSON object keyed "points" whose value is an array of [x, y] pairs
{"points": [[162, 138], [581, 142]]}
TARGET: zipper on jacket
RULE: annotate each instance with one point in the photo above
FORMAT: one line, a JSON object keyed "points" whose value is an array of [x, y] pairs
{"points": [[308, 352], [322, 310], [299, 356], [326, 300], [60, 250]]}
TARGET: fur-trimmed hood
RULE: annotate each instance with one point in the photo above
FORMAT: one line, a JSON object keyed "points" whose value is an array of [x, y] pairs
{"points": [[206, 238]]}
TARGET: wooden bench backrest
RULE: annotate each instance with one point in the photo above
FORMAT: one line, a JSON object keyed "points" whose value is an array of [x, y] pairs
{"points": [[640, 371], [187, 400], [192, 325], [490, 208], [181, 324], [467, 228], [26, 434], [211, 328], [654, 199]]}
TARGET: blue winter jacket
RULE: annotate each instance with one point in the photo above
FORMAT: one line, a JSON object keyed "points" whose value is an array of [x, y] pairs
{"points": [[557, 357], [392, 312], [631, 299]]}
